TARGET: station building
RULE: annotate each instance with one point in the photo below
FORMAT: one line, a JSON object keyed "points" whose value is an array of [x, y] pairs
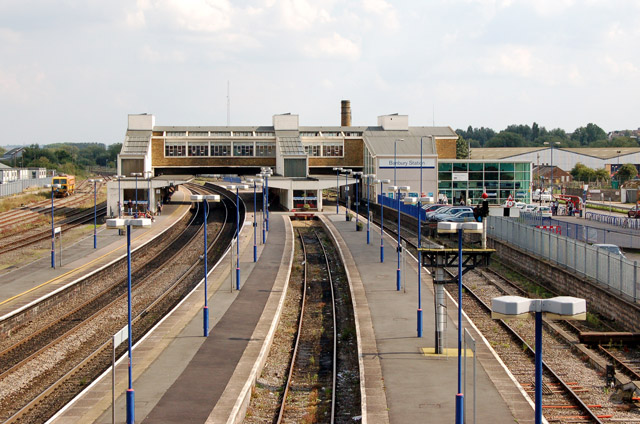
{"points": [[303, 159]]}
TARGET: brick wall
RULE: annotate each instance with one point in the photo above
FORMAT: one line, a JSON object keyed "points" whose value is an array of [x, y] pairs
{"points": [[599, 299], [159, 160], [353, 156], [446, 148]]}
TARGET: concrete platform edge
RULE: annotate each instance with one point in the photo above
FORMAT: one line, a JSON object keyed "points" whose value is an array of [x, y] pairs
{"points": [[373, 398], [233, 404]]}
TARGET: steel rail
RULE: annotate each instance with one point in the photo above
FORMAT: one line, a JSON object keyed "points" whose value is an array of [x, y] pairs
{"points": [[107, 345], [618, 362]]}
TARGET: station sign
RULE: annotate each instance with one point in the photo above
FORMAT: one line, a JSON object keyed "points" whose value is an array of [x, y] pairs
{"points": [[427, 163]]}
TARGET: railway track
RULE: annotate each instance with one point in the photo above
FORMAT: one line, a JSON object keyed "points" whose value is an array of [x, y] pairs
{"points": [[306, 373], [45, 371]]}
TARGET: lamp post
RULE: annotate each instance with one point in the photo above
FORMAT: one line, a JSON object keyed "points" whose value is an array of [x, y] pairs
{"points": [[399, 189], [346, 171], [120, 206], [338, 170], [264, 233], [53, 230], [382, 182], [136, 174], [95, 212], [357, 175], [255, 182], [395, 161], [265, 173], [460, 227], [550, 143], [416, 201], [205, 199], [561, 307], [369, 177], [237, 188], [119, 223]]}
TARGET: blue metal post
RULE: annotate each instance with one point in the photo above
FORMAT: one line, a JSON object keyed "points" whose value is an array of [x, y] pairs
{"points": [[346, 196], [381, 223], [205, 311], [130, 392], [357, 200], [337, 190], [459, 395], [95, 216], [399, 245], [264, 232], [255, 221], [136, 210], [368, 211], [238, 239], [53, 235], [419, 317], [538, 379]]}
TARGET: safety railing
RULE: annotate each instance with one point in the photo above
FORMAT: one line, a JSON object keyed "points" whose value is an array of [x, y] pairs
{"points": [[608, 269], [412, 210], [618, 221], [19, 186]]}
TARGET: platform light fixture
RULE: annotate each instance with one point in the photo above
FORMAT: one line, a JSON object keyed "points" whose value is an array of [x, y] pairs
{"points": [[95, 211], [205, 199], [120, 223], [358, 176], [557, 308], [338, 171], [398, 190], [369, 178], [237, 187], [460, 227], [346, 172], [255, 182], [53, 230], [382, 182]]}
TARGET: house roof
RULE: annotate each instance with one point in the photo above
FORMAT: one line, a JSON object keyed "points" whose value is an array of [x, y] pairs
{"points": [[506, 152], [501, 152]]}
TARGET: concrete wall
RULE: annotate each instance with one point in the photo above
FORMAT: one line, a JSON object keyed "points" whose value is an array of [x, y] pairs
{"points": [[600, 300]]}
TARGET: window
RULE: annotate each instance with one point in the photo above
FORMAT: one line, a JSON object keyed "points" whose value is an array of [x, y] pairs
{"points": [[332, 149], [353, 134], [199, 148], [265, 134], [243, 133], [172, 148], [220, 134], [221, 149], [308, 134], [266, 148], [313, 149], [331, 134], [198, 133], [242, 149], [176, 133]]}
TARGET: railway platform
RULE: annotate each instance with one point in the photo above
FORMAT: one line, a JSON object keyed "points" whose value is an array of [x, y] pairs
{"points": [[27, 283], [180, 376], [418, 387]]}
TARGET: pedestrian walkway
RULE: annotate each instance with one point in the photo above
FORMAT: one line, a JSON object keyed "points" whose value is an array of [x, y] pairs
{"points": [[420, 388], [28, 283]]}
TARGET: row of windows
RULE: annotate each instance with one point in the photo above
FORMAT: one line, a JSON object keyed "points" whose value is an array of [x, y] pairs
{"points": [[205, 149], [485, 176], [480, 166], [219, 134], [326, 150], [330, 134]]}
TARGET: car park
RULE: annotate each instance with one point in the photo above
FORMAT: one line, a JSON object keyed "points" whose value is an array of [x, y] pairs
{"points": [[463, 216], [431, 208], [544, 211], [450, 212], [529, 208]]}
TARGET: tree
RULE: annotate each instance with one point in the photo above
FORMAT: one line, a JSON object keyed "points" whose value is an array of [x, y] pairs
{"points": [[626, 172], [589, 134], [462, 148], [507, 139]]}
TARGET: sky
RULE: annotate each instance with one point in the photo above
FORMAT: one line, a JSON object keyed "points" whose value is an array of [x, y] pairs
{"points": [[71, 70]]}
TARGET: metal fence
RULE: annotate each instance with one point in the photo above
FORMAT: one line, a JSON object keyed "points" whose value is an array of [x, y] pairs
{"points": [[618, 221], [629, 238], [19, 186], [610, 270], [393, 204]]}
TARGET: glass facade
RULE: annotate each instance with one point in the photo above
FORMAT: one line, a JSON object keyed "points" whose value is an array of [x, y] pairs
{"points": [[461, 179]]}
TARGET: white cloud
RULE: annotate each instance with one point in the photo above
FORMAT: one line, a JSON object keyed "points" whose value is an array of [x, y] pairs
{"points": [[509, 60], [334, 46], [383, 10], [299, 15]]}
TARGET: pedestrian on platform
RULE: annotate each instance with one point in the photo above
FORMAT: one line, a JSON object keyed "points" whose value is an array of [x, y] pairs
{"points": [[159, 207], [130, 207]]}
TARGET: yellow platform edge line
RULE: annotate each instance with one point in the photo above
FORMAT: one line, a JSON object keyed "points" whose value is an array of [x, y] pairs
{"points": [[448, 352]]}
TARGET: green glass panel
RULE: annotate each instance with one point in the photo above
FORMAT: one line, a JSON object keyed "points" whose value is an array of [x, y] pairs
{"points": [[476, 184], [506, 176], [444, 176], [444, 166], [460, 167], [476, 166], [488, 176], [522, 166], [476, 176], [506, 166], [460, 184], [444, 184], [490, 167]]}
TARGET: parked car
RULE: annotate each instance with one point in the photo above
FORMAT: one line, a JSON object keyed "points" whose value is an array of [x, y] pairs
{"points": [[443, 209], [463, 216], [450, 212], [634, 212], [529, 208], [615, 250], [430, 208], [544, 196], [544, 211]]}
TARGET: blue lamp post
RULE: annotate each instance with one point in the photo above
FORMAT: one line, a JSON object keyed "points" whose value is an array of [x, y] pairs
{"points": [[369, 177], [205, 199], [237, 188], [382, 182], [136, 174], [120, 205], [398, 190], [338, 170], [346, 172], [255, 182], [358, 176], [459, 227], [395, 160], [266, 173], [120, 223], [53, 230], [558, 308], [148, 175], [95, 212]]}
